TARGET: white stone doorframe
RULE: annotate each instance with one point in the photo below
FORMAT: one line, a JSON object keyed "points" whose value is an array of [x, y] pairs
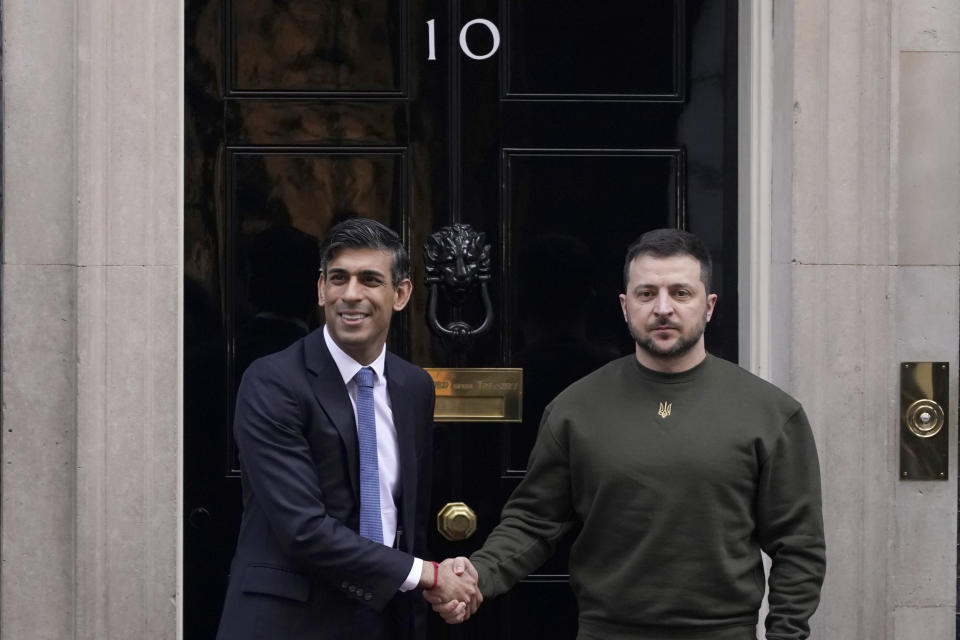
{"points": [[92, 307], [762, 287]]}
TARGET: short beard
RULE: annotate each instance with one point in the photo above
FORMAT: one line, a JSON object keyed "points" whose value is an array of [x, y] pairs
{"points": [[679, 348]]}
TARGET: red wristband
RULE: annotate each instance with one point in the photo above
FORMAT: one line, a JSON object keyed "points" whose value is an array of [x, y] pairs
{"points": [[436, 574]]}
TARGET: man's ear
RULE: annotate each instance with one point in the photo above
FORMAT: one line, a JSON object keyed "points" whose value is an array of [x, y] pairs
{"points": [[623, 306], [320, 299], [711, 303], [404, 289]]}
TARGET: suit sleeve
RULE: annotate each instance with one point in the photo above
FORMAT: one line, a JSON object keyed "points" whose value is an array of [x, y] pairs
{"points": [[537, 514], [281, 474], [790, 529], [425, 469], [422, 508]]}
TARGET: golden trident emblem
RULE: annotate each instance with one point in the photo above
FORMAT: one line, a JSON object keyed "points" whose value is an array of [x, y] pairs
{"points": [[665, 408]]}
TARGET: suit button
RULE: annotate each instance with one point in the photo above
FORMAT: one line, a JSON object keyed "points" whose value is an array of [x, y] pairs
{"points": [[353, 589], [344, 584], [368, 596]]}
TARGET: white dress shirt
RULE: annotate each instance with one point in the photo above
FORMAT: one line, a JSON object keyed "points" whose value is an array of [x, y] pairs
{"points": [[388, 452]]}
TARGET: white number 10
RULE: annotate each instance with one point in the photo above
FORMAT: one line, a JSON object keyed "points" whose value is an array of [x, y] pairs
{"points": [[492, 28]]}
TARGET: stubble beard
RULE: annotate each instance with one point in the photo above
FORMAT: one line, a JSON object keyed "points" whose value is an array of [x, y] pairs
{"points": [[679, 348]]}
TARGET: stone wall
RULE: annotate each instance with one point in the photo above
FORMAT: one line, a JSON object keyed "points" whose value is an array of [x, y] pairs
{"points": [[925, 197], [92, 174], [875, 252]]}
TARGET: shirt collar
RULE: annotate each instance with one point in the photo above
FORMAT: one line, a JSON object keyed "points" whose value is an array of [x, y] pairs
{"points": [[349, 367]]}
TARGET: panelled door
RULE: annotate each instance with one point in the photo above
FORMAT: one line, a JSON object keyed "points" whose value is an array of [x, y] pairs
{"points": [[559, 129]]}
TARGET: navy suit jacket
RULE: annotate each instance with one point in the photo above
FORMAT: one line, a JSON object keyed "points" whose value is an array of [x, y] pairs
{"points": [[301, 570]]}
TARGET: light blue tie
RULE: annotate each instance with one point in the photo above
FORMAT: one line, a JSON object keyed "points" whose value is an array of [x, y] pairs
{"points": [[371, 527]]}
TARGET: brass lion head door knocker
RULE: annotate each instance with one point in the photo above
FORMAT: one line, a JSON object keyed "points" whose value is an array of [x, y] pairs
{"points": [[457, 262]]}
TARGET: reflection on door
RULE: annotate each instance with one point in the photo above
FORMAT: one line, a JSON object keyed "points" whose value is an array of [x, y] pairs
{"points": [[590, 124]]}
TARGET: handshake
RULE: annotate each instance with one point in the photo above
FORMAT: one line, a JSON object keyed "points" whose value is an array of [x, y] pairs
{"points": [[455, 596]]}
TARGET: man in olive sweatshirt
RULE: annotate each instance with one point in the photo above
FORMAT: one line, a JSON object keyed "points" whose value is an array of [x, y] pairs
{"points": [[679, 468]]}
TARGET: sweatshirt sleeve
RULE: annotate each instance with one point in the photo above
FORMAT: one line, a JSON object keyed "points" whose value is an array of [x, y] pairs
{"points": [[790, 529], [537, 514]]}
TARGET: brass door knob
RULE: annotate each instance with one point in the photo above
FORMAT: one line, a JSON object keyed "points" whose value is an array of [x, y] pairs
{"points": [[456, 521]]}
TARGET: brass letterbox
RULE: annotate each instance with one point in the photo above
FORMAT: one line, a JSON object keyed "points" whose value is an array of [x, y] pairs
{"points": [[478, 395]]}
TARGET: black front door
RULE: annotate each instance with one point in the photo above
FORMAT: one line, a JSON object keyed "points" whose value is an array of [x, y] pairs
{"points": [[559, 129]]}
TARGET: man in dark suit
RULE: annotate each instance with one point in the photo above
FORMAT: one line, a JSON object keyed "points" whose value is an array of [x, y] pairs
{"points": [[335, 439]]}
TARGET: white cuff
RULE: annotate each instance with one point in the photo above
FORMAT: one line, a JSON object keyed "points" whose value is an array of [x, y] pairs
{"points": [[413, 578]]}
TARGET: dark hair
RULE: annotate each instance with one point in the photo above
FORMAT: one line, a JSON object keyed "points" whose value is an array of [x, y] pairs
{"points": [[665, 243], [364, 233]]}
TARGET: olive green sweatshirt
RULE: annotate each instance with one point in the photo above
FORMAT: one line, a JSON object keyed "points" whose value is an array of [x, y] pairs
{"points": [[677, 481]]}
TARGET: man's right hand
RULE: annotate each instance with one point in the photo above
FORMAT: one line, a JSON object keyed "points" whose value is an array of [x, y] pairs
{"points": [[456, 596]]}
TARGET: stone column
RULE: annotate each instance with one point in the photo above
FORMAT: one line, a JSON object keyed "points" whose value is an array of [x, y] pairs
{"points": [[90, 444], [925, 69], [875, 252]]}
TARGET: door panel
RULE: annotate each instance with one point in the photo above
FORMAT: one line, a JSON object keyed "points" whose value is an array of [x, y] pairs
{"points": [[301, 122], [318, 48], [590, 124], [606, 49]]}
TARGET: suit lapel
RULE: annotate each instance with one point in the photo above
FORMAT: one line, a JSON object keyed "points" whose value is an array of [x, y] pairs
{"points": [[403, 422], [327, 385]]}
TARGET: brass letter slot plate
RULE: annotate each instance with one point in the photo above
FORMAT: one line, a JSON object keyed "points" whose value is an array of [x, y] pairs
{"points": [[478, 395], [924, 388]]}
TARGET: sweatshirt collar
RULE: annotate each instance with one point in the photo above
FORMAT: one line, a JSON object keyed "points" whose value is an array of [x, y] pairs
{"points": [[673, 378]]}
